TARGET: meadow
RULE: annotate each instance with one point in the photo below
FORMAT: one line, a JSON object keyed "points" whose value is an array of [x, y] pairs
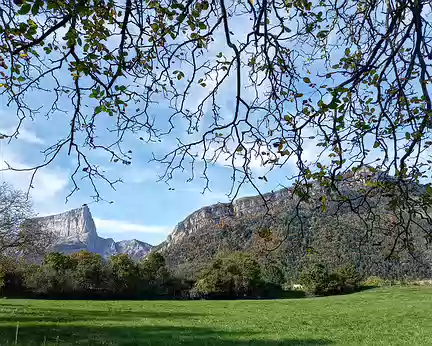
{"points": [[382, 316]]}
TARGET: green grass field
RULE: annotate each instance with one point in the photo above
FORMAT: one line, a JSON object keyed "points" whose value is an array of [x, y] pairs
{"points": [[390, 316]]}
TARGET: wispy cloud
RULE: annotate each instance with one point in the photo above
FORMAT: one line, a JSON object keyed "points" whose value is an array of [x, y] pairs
{"points": [[223, 156], [117, 226], [47, 183], [138, 175], [23, 135]]}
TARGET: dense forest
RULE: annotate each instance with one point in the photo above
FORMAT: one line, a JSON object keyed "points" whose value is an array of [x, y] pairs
{"points": [[88, 275]]}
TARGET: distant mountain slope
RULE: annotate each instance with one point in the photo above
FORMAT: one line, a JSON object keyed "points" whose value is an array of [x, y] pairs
{"points": [[336, 236], [136, 249], [75, 230]]}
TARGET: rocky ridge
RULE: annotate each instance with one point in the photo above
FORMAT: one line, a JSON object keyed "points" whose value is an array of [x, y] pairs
{"points": [[75, 230], [218, 214], [335, 235], [249, 207]]}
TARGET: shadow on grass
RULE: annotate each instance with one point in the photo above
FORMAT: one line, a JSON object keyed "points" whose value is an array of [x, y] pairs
{"points": [[366, 288], [145, 335], [356, 290], [14, 315], [292, 294]]}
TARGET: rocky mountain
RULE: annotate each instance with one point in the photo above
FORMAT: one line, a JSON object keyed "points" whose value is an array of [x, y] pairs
{"points": [[362, 233], [223, 226], [219, 214], [134, 248], [242, 209], [75, 230]]}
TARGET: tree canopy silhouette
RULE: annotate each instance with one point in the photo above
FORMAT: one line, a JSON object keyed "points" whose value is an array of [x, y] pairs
{"points": [[240, 81]]}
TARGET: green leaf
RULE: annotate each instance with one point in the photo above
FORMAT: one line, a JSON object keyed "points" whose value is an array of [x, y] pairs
{"points": [[324, 203], [376, 144], [332, 105], [35, 8], [24, 9], [306, 80], [202, 26], [310, 27], [322, 34]]}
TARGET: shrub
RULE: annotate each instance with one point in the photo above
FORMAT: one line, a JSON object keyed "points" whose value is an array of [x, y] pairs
{"points": [[45, 280], [90, 272], [154, 275], [87, 275], [196, 293], [231, 276], [272, 274], [124, 275], [422, 282], [349, 278], [374, 281], [11, 277], [316, 280]]}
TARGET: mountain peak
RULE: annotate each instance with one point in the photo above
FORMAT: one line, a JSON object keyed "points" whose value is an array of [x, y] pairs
{"points": [[75, 230]]}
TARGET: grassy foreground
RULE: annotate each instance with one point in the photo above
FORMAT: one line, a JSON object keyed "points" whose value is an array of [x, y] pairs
{"points": [[390, 316]]}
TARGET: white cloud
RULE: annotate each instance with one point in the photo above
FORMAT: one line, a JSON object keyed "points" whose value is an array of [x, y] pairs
{"points": [[23, 135], [117, 226], [223, 157], [138, 175], [48, 182]]}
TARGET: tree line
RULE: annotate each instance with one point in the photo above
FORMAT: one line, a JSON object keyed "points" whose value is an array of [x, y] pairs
{"points": [[327, 254], [229, 274], [86, 275]]}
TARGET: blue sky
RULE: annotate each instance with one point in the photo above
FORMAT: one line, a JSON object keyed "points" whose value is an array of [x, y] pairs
{"points": [[143, 208]]}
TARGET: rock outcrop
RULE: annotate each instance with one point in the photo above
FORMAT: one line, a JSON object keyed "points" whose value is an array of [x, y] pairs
{"points": [[75, 230], [220, 213]]}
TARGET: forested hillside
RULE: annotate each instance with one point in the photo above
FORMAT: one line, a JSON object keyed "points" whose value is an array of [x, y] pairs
{"points": [[367, 233]]}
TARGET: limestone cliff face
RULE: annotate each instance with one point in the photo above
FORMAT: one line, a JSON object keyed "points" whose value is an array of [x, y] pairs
{"points": [[224, 212], [75, 230], [248, 207]]}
